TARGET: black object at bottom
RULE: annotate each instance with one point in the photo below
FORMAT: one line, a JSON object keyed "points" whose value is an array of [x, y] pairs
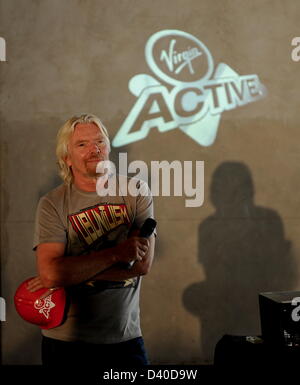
{"points": [[56, 353], [237, 351]]}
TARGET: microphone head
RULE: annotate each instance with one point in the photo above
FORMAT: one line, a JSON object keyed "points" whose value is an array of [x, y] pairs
{"points": [[148, 228]]}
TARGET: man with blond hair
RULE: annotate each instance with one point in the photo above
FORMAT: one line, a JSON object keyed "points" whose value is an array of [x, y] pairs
{"points": [[85, 243]]}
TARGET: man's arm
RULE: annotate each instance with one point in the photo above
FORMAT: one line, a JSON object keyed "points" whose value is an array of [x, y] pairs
{"points": [[56, 270], [117, 273]]}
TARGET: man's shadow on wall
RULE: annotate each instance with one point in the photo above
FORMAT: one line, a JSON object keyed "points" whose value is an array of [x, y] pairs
{"points": [[243, 251]]}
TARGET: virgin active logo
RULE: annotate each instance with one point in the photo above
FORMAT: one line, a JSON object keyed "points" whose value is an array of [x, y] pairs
{"points": [[188, 92], [177, 57], [44, 306]]}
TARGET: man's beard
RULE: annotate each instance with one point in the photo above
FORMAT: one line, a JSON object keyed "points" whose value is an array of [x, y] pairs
{"points": [[91, 168]]}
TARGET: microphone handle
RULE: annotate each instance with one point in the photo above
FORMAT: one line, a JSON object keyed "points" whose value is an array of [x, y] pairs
{"points": [[145, 232]]}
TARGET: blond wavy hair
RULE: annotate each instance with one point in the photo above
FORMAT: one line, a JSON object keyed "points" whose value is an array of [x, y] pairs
{"points": [[63, 138]]}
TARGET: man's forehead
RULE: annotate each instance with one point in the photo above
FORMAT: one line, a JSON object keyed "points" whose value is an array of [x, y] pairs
{"points": [[83, 129]]}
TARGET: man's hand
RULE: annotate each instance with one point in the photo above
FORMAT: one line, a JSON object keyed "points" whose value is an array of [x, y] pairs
{"points": [[141, 267], [35, 284], [133, 249]]}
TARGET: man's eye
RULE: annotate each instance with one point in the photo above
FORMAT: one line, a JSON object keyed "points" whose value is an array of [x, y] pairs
{"points": [[81, 145]]}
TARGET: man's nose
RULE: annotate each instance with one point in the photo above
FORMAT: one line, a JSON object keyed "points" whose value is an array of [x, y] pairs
{"points": [[94, 148]]}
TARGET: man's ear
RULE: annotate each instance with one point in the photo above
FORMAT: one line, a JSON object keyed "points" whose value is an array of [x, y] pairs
{"points": [[68, 161]]}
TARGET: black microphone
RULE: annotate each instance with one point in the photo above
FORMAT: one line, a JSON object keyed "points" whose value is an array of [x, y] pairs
{"points": [[145, 232], [148, 227]]}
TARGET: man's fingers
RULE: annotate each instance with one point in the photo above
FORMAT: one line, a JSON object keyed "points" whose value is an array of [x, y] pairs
{"points": [[33, 281], [142, 251], [35, 287], [143, 243], [49, 291], [35, 284]]}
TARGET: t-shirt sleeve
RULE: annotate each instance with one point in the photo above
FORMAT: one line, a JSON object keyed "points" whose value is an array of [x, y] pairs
{"points": [[144, 205], [48, 224]]}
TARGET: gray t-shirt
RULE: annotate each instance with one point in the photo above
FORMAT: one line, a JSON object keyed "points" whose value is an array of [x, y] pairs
{"points": [[99, 311]]}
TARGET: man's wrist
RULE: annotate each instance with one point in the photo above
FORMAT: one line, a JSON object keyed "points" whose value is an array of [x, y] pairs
{"points": [[110, 255]]}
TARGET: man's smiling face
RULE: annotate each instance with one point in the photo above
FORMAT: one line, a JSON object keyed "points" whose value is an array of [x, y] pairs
{"points": [[87, 147]]}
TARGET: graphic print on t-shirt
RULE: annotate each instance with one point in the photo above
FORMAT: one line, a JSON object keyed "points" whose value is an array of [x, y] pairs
{"points": [[94, 222], [99, 227]]}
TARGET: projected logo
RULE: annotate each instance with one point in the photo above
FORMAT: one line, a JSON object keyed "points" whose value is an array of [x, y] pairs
{"points": [[188, 92]]}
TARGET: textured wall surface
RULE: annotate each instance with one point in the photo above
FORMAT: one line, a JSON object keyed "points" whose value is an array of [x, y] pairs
{"points": [[65, 57]]}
